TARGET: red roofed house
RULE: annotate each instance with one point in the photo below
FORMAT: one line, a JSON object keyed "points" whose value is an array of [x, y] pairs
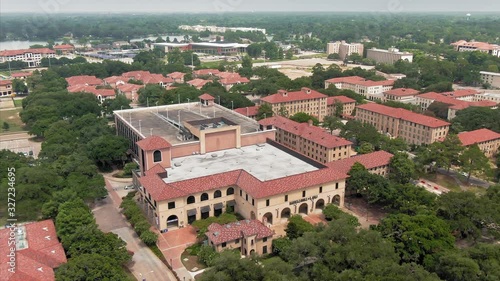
{"points": [[154, 150], [5, 88], [464, 46], [306, 100], [207, 100], [198, 83], [21, 75], [130, 91], [229, 81], [205, 72], [178, 77], [64, 49], [454, 103], [37, 252], [348, 105], [84, 80], [400, 95], [372, 90], [313, 142], [376, 163], [31, 56], [487, 140], [101, 94], [414, 128], [249, 236], [249, 111]]}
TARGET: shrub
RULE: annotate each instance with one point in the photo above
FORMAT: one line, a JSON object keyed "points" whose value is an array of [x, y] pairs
{"points": [[149, 238], [207, 255], [141, 226]]}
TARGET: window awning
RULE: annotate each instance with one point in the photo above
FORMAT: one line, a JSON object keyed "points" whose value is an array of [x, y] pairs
{"points": [[231, 203], [191, 212], [218, 206], [205, 209]]}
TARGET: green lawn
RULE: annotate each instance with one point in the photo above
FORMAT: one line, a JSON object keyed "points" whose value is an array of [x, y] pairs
{"points": [[18, 103], [12, 118], [443, 180]]}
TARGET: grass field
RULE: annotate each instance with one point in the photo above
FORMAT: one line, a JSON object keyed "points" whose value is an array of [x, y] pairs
{"points": [[12, 118], [18, 103], [443, 180]]}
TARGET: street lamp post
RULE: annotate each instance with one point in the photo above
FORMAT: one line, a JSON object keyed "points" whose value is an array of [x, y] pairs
{"points": [[179, 98], [232, 105], [218, 97], [143, 277]]}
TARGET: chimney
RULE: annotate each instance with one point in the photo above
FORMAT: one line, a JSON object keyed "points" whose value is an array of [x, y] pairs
{"points": [[310, 122], [283, 93], [306, 90]]}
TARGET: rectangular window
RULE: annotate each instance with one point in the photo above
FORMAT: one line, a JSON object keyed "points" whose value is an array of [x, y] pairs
{"points": [[265, 239], [320, 189], [223, 245], [237, 241], [286, 198], [253, 202], [264, 250], [336, 185], [171, 205], [246, 197], [304, 193], [241, 192], [267, 202]]}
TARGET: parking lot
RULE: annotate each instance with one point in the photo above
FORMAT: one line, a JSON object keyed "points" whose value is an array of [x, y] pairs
{"points": [[20, 143]]}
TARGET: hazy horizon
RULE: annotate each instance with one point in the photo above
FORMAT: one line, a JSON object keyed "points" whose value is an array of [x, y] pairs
{"points": [[218, 6]]}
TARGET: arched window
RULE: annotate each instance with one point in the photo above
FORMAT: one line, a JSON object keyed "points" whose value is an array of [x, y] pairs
{"points": [[230, 191], [204, 197], [191, 200], [217, 194], [157, 156]]}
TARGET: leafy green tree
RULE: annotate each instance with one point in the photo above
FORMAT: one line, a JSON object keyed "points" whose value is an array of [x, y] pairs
{"points": [[254, 50], [151, 94], [149, 238], [474, 118], [118, 103], [302, 117], [454, 266], [18, 86], [297, 226], [175, 57], [207, 255], [71, 215], [90, 267], [108, 148], [265, 111], [246, 62], [402, 168], [332, 123], [5, 126], [355, 58], [439, 109], [473, 160], [365, 148]]}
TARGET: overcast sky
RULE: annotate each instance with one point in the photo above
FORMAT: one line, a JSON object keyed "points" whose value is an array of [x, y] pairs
{"points": [[211, 6]]}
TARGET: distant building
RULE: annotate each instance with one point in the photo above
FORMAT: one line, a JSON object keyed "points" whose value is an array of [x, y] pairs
{"points": [[198, 83], [372, 90], [344, 49], [131, 91], [311, 141], [376, 163], [206, 48], [205, 72], [64, 49], [348, 105], [388, 56], [487, 140], [21, 75], [229, 81], [32, 57], [249, 111], [404, 95], [85, 80], [178, 77], [37, 251], [220, 29], [494, 97], [248, 236], [464, 46], [100, 94], [306, 100], [5, 88], [414, 128], [491, 78]]}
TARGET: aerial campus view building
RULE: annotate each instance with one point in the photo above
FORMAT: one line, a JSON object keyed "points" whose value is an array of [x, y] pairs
{"points": [[198, 159]]}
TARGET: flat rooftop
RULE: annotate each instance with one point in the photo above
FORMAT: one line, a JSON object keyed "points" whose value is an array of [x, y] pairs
{"points": [[263, 161], [163, 121]]}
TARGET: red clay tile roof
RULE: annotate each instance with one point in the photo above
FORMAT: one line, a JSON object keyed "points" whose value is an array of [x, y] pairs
{"points": [[460, 93], [153, 143], [64, 47], [371, 160], [129, 87], [402, 92], [206, 72], [206, 96], [84, 80], [315, 134], [342, 99], [7, 53], [356, 80], [219, 234], [248, 111], [478, 45], [115, 79], [284, 96], [345, 79], [227, 74], [404, 114], [44, 253], [198, 83], [477, 136], [5, 82], [176, 75], [92, 90], [21, 74], [234, 80], [454, 103]]}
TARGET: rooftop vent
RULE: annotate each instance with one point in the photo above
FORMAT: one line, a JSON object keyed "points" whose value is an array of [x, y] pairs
{"points": [[47, 237], [177, 164], [46, 228], [216, 234], [40, 269], [214, 155], [228, 226]]}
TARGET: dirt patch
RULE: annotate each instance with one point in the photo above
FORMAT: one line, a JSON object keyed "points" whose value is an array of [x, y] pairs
{"points": [[191, 262], [367, 214]]}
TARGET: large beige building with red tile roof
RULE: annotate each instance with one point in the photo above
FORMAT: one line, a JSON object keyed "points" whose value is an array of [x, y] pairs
{"points": [[311, 141], [464, 46], [372, 90], [487, 140], [32, 57], [5, 88], [404, 95], [414, 128], [196, 159], [376, 163], [37, 252], [249, 236], [348, 105], [84, 80], [306, 100]]}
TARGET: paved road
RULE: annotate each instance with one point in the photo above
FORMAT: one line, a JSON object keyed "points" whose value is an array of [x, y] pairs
{"points": [[109, 218]]}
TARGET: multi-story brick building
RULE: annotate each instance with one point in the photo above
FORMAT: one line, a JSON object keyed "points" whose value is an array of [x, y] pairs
{"points": [[372, 90], [414, 128], [344, 49], [376, 163], [306, 100], [389, 56], [491, 78], [311, 141], [464, 46], [348, 105], [487, 140], [400, 95], [32, 57]]}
